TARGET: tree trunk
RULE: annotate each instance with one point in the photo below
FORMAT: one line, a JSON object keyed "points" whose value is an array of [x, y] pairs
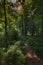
{"points": [[6, 45]]}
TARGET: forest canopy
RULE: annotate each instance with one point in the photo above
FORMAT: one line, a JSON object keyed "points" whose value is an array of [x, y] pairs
{"points": [[19, 22]]}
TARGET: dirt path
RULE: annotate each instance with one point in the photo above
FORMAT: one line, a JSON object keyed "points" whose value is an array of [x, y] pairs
{"points": [[31, 57]]}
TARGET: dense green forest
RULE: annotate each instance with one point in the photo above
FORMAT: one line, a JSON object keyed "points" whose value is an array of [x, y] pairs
{"points": [[16, 27]]}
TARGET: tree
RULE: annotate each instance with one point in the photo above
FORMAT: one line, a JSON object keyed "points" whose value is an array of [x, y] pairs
{"points": [[5, 23]]}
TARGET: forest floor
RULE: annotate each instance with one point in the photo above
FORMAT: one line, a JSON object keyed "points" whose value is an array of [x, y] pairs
{"points": [[31, 57]]}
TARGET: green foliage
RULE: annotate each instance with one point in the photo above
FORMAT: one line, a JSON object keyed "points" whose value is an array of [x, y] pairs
{"points": [[14, 55], [36, 45], [29, 26]]}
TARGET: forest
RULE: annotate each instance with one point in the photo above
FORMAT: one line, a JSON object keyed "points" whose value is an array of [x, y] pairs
{"points": [[21, 23]]}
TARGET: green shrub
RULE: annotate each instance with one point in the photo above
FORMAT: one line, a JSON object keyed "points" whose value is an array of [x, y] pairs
{"points": [[14, 55]]}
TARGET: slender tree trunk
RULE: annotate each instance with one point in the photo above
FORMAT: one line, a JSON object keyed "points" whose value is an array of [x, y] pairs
{"points": [[22, 26], [6, 45]]}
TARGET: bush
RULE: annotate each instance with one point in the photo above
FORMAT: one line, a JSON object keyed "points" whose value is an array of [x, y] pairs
{"points": [[14, 55]]}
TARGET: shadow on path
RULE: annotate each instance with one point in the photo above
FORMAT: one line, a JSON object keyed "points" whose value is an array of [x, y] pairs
{"points": [[31, 57]]}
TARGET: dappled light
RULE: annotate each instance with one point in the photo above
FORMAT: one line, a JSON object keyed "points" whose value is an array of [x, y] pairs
{"points": [[21, 32]]}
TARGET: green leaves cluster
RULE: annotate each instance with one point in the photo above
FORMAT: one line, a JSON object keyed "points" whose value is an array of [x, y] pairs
{"points": [[21, 27], [14, 55]]}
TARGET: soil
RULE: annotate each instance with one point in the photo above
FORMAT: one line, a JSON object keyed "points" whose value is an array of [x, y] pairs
{"points": [[31, 56]]}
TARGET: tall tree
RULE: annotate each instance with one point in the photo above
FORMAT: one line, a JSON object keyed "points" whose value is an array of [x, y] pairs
{"points": [[5, 23]]}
